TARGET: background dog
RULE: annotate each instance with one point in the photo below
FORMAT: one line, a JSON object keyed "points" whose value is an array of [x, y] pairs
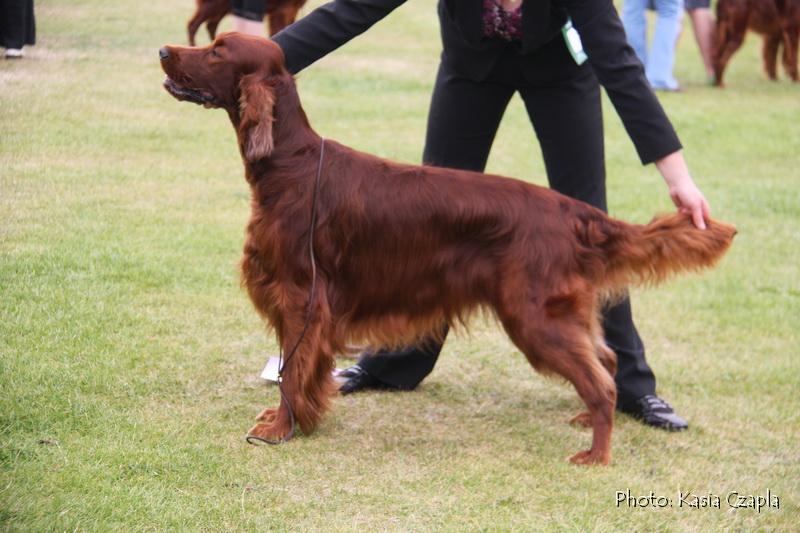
{"points": [[280, 13], [346, 247], [778, 21]]}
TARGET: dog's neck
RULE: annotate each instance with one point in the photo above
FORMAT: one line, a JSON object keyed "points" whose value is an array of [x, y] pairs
{"points": [[292, 134], [288, 168]]}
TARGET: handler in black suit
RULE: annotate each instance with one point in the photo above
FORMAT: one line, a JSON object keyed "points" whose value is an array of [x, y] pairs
{"points": [[492, 49]]}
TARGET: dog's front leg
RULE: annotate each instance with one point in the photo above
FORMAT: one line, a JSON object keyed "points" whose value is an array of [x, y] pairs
{"points": [[306, 383]]}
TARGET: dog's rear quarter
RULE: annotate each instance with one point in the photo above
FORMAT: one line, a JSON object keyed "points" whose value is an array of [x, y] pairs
{"points": [[777, 21]]}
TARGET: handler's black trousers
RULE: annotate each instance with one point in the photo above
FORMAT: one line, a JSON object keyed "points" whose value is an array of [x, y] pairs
{"points": [[563, 104]]}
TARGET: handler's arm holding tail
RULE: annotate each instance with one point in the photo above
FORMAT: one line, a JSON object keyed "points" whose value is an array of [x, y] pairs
{"points": [[620, 73], [613, 60]]}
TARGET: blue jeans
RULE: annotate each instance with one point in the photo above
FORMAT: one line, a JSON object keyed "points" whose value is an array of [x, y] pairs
{"points": [[660, 60]]}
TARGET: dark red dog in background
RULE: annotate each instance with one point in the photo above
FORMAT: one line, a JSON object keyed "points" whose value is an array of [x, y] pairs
{"points": [[280, 13], [401, 249], [778, 21]]}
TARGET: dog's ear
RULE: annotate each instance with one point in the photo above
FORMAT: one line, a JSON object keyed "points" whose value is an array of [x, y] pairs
{"points": [[256, 104]]}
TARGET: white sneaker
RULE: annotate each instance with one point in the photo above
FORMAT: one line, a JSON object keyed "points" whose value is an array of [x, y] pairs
{"points": [[13, 53]]}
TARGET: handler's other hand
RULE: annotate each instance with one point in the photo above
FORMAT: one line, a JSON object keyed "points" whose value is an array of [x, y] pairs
{"points": [[688, 198]]}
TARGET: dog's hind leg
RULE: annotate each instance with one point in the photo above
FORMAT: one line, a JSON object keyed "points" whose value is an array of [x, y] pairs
{"points": [[791, 37], [608, 359], [563, 343], [193, 25], [211, 27], [306, 383], [729, 38], [769, 53], [282, 17], [211, 12]]}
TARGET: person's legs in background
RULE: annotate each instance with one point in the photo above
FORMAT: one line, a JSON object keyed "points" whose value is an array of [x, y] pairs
{"points": [[462, 123], [248, 16], [17, 26], [703, 26], [659, 58], [635, 23], [661, 61]]}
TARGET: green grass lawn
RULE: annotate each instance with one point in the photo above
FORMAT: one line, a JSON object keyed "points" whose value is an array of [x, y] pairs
{"points": [[129, 356]]}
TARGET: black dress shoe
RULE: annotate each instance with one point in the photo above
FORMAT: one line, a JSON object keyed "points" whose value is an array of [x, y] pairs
{"points": [[354, 379], [655, 412]]}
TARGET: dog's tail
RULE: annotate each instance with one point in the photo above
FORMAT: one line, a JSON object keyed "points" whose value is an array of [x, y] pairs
{"points": [[643, 254]]}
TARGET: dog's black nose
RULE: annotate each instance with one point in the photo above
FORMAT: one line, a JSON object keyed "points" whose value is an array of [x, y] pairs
{"points": [[163, 53]]}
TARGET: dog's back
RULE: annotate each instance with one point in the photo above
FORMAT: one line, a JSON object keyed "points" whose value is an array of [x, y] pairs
{"points": [[454, 236]]}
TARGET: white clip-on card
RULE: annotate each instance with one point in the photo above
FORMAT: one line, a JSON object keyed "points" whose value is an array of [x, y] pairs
{"points": [[573, 41]]}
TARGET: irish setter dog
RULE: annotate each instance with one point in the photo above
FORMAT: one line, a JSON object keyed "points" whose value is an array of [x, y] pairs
{"points": [[400, 249], [778, 21], [280, 13]]}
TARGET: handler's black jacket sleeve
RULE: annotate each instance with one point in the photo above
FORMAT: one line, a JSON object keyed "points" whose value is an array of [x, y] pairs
{"points": [[611, 57], [621, 74], [328, 27]]}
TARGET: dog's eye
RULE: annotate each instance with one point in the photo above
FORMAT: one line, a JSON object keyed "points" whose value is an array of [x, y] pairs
{"points": [[215, 53]]}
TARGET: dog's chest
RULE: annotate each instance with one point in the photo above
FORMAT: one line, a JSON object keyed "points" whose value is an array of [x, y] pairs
{"points": [[259, 265]]}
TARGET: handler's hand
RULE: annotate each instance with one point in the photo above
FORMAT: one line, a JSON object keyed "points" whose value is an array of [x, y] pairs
{"points": [[684, 193], [688, 198]]}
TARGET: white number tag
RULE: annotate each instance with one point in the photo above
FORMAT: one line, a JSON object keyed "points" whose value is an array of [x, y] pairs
{"points": [[574, 44]]}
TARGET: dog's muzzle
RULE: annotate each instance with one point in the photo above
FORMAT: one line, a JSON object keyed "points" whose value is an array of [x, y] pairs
{"points": [[196, 96]]}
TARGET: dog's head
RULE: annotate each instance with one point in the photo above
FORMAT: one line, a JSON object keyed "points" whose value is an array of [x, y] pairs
{"points": [[236, 72]]}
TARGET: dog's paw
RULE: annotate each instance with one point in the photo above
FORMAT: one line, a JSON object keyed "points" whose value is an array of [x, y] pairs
{"points": [[267, 415], [589, 457], [268, 433], [582, 419]]}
